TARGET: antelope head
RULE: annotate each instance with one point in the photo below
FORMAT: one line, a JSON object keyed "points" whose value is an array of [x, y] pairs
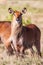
{"points": [[17, 19], [17, 15]]}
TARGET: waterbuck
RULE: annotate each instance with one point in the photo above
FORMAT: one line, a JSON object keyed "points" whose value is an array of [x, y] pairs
{"points": [[24, 37]]}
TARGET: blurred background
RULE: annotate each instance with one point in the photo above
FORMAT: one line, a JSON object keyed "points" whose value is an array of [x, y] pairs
{"points": [[34, 9]]}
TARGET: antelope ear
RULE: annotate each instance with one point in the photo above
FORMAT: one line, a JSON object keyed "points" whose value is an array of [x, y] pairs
{"points": [[10, 10], [24, 10]]}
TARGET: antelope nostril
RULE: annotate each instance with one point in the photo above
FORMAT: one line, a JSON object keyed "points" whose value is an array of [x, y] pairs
{"points": [[17, 19]]}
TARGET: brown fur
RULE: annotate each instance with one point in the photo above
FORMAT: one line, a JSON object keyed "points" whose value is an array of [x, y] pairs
{"points": [[31, 36], [5, 32]]}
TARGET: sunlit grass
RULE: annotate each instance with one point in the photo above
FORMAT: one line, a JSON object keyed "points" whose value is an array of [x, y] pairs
{"points": [[26, 22]]}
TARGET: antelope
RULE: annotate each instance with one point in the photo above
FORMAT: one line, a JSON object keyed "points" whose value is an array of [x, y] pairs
{"points": [[24, 37], [5, 32]]}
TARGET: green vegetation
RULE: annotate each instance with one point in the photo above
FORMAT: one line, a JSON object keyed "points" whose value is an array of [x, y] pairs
{"points": [[26, 22], [9, 17]]}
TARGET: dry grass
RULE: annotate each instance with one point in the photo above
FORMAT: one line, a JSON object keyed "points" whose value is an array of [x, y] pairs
{"points": [[13, 60]]}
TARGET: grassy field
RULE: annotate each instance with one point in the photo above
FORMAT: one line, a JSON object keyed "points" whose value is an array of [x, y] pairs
{"points": [[34, 15], [13, 60]]}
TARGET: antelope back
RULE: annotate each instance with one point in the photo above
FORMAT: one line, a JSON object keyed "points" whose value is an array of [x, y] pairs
{"points": [[5, 29]]}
